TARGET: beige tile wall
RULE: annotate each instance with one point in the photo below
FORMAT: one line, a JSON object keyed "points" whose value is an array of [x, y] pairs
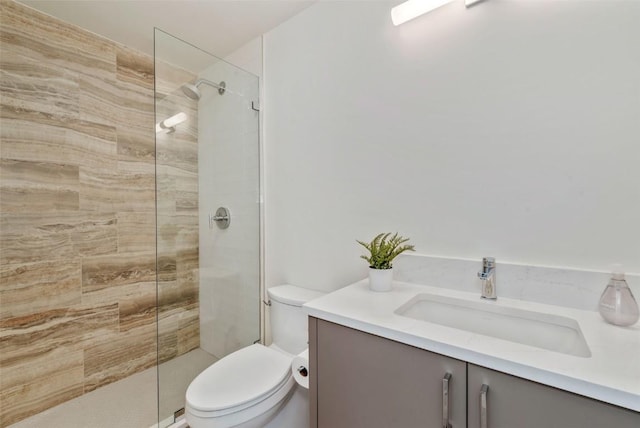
{"points": [[77, 216]]}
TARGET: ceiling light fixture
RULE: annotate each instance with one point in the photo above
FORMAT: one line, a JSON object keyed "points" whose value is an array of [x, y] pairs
{"points": [[169, 124], [413, 8], [469, 3]]}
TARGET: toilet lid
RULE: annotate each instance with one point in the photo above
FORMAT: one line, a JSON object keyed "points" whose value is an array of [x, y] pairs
{"points": [[292, 295], [245, 376]]}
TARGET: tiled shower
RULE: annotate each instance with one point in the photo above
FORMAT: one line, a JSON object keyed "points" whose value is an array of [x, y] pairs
{"points": [[99, 218]]}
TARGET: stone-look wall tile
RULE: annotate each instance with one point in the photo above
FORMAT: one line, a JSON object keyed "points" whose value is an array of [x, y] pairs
{"points": [[183, 291], [187, 202], [136, 232], [187, 268], [42, 366], [36, 385], [139, 309], [118, 293], [25, 337], [77, 213], [177, 216], [43, 142], [178, 150], [135, 79], [136, 167], [134, 73], [96, 234], [137, 118], [167, 272], [134, 145], [38, 186], [175, 295], [97, 130], [176, 189], [49, 40], [170, 78], [187, 238], [37, 287], [136, 303], [91, 147], [34, 237], [124, 355], [30, 141], [119, 269], [186, 182], [178, 323], [106, 191], [166, 195], [189, 330], [44, 89], [167, 338], [134, 67], [93, 129], [99, 100]]}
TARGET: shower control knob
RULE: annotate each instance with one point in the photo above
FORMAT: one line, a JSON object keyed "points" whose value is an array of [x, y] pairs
{"points": [[222, 218]]}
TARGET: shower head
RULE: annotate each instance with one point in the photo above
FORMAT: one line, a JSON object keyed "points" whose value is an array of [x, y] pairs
{"points": [[192, 91]]}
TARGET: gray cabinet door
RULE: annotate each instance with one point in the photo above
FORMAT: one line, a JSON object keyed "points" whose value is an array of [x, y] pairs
{"points": [[513, 402], [365, 381]]}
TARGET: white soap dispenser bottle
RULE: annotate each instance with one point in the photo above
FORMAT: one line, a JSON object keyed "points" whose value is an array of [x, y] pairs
{"points": [[617, 304]]}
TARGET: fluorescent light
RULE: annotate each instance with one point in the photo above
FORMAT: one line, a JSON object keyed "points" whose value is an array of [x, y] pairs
{"points": [[171, 122], [469, 3], [174, 120], [413, 8]]}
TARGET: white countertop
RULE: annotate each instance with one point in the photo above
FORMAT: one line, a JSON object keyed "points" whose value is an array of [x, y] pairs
{"points": [[611, 374]]}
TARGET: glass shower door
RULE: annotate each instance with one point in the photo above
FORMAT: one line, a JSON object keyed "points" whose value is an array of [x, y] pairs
{"points": [[207, 157]]}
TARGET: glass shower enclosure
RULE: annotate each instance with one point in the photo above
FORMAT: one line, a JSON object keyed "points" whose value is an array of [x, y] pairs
{"points": [[208, 214]]}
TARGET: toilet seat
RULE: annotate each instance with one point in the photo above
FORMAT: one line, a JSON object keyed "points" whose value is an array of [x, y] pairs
{"points": [[241, 380]]}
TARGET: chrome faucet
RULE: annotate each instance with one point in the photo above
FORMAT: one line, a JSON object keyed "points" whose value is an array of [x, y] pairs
{"points": [[488, 278]]}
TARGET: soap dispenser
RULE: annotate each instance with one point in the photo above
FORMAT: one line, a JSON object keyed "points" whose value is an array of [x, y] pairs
{"points": [[617, 304]]}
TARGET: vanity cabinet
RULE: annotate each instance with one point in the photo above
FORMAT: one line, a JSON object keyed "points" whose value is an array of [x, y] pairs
{"points": [[359, 380], [510, 402], [362, 380]]}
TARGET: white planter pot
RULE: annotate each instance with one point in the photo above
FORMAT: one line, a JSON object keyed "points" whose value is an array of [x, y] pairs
{"points": [[380, 279]]}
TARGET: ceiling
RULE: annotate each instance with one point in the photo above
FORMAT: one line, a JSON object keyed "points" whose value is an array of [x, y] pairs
{"points": [[216, 26]]}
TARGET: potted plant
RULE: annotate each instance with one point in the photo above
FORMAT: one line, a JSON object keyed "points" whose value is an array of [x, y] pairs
{"points": [[383, 249]]}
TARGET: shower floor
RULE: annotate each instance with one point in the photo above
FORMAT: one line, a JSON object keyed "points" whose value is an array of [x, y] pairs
{"points": [[130, 402]]}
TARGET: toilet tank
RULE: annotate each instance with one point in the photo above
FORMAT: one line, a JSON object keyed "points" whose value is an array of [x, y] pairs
{"points": [[288, 319]]}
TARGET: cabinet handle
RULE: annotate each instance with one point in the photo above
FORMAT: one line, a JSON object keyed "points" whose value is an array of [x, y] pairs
{"points": [[483, 405], [445, 401]]}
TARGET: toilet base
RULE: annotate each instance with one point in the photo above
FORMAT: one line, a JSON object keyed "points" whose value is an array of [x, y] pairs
{"points": [[230, 420], [295, 413]]}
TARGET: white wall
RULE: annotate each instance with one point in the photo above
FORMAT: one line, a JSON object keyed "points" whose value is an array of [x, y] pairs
{"points": [[511, 129], [228, 172], [248, 57]]}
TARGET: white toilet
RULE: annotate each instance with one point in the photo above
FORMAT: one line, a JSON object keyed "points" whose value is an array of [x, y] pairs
{"points": [[248, 387]]}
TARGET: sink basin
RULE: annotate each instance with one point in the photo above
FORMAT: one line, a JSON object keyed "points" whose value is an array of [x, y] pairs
{"points": [[545, 331]]}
